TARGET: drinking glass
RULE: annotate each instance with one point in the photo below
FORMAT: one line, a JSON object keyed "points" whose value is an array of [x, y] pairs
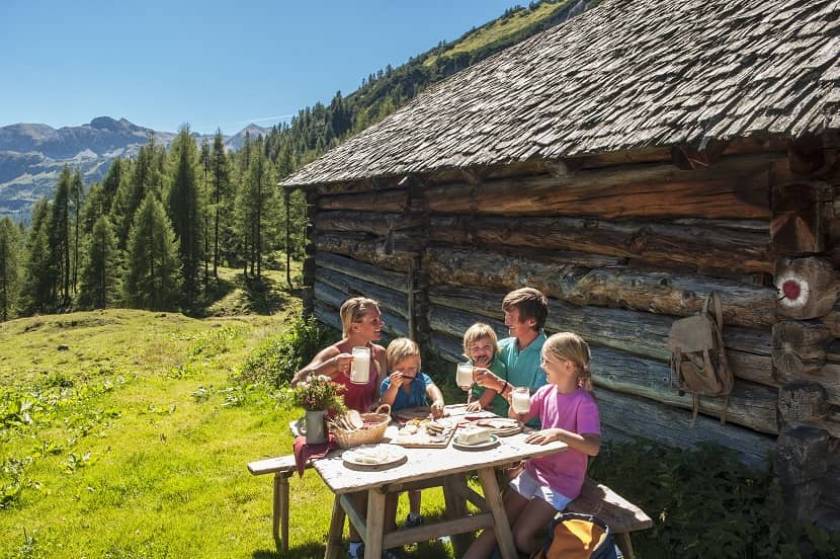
{"points": [[464, 378], [360, 368], [521, 400]]}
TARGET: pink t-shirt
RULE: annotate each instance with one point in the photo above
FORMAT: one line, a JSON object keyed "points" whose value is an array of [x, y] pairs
{"points": [[576, 412]]}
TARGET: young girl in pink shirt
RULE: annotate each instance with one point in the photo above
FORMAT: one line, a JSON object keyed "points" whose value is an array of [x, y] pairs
{"points": [[567, 412]]}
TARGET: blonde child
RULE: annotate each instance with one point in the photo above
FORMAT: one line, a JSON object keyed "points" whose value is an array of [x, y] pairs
{"points": [[568, 413], [481, 348], [408, 387]]}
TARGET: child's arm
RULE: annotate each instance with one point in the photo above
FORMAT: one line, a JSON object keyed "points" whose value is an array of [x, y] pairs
{"points": [[486, 398], [390, 394], [587, 443], [436, 396]]}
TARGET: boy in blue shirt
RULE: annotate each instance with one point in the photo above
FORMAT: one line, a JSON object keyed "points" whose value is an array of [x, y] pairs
{"points": [[407, 387]]}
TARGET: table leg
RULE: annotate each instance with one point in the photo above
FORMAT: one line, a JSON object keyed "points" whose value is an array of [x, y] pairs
{"points": [[456, 507], [336, 530], [375, 524], [504, 536]]}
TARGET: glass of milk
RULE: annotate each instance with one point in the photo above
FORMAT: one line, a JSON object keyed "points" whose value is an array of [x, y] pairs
{"points": [[360, 368], [521, 400], [464, 376]]}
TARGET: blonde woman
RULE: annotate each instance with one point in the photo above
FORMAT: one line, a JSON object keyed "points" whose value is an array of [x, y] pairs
{"points": [[361, 323], [568, 413]]}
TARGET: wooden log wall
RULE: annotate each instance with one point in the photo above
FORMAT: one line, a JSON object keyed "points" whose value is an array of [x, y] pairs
{"points": [[622, 246]]}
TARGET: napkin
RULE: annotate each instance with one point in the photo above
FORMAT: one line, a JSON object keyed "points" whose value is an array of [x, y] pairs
{"points": [[306, 452]]}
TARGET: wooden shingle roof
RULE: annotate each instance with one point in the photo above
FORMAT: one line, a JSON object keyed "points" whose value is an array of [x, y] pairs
{"points": [[625, 75]]}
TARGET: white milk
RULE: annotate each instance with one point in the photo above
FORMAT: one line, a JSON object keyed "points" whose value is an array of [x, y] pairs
{"points": [[521, 401], [464, 376], [360, 369]]}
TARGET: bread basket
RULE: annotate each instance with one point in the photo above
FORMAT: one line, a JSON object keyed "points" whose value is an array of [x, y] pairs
{"points": [[372, 432]]}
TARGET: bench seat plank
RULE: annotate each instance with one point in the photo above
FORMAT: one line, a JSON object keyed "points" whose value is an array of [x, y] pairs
{"points": [[279, 464], [618, 513]]}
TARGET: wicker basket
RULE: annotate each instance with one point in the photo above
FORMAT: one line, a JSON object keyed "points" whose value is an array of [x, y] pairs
{"points": [[373, 432]]}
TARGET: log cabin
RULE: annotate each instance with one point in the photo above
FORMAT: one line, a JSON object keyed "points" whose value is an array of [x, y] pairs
{"points": [[627, 163]]}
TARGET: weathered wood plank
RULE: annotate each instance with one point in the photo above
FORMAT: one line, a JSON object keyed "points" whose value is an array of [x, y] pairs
{"points": [[395, 200], [697, 246], [373, 250], [733, 188], [363, 270], [615, 286], [328, 314], [366, 222], [647, 419], [349, 286], [455, 309]]}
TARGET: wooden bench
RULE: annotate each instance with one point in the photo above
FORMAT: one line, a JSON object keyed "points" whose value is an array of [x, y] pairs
{"points": [[622, 516], [283, 467]]}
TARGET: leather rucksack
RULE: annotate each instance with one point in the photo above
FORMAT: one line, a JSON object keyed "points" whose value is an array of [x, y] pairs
{"points": [[698, 358]]}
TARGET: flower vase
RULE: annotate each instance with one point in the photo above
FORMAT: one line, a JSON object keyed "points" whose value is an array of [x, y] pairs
{"points": [[316, 426]]}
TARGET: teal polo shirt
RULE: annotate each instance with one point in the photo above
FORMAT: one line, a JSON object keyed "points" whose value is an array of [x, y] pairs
{"points": [[523, 367]]}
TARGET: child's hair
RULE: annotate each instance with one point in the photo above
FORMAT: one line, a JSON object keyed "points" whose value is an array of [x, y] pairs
{"points": [[476, 332], [353, 310], [531, 303], [400, 349], [568, 345]]}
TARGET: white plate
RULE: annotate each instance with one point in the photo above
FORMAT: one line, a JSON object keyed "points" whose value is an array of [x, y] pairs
{"points": [[493, 441], [390, 455]]}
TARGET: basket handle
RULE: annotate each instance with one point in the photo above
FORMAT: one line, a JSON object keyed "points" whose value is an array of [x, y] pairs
{"points": [[386, 407]]}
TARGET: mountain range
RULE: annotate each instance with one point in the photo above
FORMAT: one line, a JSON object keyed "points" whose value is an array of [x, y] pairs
{"points": [[32, 155]]}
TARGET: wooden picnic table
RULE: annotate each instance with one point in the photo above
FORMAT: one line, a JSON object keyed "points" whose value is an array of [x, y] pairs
{"points": [[426, 467]]}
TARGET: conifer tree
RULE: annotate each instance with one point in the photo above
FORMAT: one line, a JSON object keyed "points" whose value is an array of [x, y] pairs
{"points": [[100, 273], [256, 210], [220, 178], [60, 238], [38, 293], [9, 268], [152, 274], [146, 176], [185, 210], [112, 180], [77, 192]]}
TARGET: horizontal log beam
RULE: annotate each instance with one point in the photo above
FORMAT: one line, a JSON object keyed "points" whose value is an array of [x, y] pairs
{"points": [[696, 247], [373, 250], [395, 200], [363, 270], [658, 292], [644, 418], [353, 287], [733, 188], [455, 309], [750, 405], [364, 222]]}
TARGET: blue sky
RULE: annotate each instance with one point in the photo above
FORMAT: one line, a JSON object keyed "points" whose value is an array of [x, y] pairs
{"points": [[209, 63]]}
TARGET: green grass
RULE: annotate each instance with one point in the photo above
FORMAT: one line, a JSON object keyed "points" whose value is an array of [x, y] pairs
{"points": [[499, 30], [131, 440]]}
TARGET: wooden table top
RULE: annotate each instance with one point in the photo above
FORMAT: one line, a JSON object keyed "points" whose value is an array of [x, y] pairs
{"points": [[426, 463]]}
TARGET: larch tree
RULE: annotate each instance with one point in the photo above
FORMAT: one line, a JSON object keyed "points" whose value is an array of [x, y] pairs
{"points": [[220, 179], [257, 209], [38, 293], [60, 238], [100, 272], [9, 268], [77, 194], [153, 269], [185, 210]]}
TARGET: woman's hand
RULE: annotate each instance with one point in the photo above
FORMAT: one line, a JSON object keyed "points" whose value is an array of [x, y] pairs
{"points": [[473, 407], [397, 379], [543, 437], [342, 362], [437, 409]]}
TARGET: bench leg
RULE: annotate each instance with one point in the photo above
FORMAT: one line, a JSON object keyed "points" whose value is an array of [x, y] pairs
{"points": [[625, 545], [336, 530], [280, 516]]}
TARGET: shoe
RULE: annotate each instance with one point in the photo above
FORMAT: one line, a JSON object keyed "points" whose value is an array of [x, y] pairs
{"points": [[413, 523]]}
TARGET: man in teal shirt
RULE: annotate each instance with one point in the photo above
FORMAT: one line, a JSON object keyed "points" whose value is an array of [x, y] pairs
{"points": [[525, 313]]}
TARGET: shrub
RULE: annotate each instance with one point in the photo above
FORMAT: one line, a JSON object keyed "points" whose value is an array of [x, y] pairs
{"points": [[278, 358], [706, 504]]}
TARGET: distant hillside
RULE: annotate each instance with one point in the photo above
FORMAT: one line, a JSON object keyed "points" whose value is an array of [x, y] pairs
{"points": [[32, 155]]}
